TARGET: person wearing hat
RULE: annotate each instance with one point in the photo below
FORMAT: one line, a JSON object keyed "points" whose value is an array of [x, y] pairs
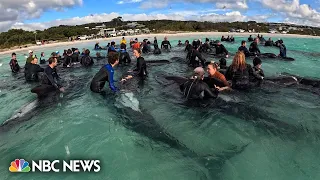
{"points": [[257, 73], [30, 58], [221, 50], [195, 88], [215, 78], [14, 63]]}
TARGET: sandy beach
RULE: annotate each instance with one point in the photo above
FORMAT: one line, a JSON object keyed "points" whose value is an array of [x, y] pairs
{"points": [[169, 34]]}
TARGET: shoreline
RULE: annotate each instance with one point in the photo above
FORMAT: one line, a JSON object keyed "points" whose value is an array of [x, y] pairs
{"points": [[169, 34]]}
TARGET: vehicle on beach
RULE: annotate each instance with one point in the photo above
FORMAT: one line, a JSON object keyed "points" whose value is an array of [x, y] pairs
{"points": [[85, 37]]}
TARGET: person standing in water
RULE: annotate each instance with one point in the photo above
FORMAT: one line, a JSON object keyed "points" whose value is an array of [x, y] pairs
{"points": [[14, 63], [42, 59], [31, 71], [257, 73], [30, 58], [165, 44], [254, 47], [123, 41], [51, 75], [124, 55], [141, 68], [244, 49], [283, 50]]}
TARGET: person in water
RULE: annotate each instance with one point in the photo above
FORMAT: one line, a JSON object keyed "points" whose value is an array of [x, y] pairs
{"points": [[215, 78], [194, 56], [257, 73], [223, 38], [75, 56], [156, 49], [231, 39], [141, 69], [51, 77], [155, 41], [254, 47], [123, 41], [42, 59], [30, 57], [262, 39], [112, 47], [269, 42], [196, 89], [221, 50], [277, 43], [145, 47], [136, 44], [189, 49], [86, 60], [250, 38], [244, 49], [165, 44], [239, 72], [68, 59], [205, 47], [106, 73], [14, 63], [97, 46], [124, 55], [223, 63], [31, 71], [179, 43], [283, 50]]}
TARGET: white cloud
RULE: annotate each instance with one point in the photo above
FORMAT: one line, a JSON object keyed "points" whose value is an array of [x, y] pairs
{"points": [[128, 1]]}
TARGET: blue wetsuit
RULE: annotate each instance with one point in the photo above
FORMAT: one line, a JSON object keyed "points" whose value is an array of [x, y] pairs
{"points": [[105, 74]]}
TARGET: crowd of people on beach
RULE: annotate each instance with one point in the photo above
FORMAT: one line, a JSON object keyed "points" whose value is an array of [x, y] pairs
{"points": [[239, 75]]}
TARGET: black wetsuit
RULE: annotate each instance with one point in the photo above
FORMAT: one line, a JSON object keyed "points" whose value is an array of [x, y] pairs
{"points": [[250, 39], [42, 60], [31, 72], [165, 44], [141, 69], [195, 89], [240, 79], [155, 42], [145, 48], [14, 66], [254, 48], [269, 43], [257, 76], [67, 61], [205, 47], [156, 50], [106, 73], [75, 57], [196, 44], [51, 78], [283, 50], [193, 60], [86, 61], [220, 49], [245, 50], [124, 57], [97, 46]]}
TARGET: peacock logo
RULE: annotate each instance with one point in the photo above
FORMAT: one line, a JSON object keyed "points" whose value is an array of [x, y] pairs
{"points": [[19, 165]]}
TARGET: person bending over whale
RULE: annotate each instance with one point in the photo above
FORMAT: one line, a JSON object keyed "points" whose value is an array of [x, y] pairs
{"points": [[239, 72], [254, 47], [165, 44], [221, 50], [124, 55], [193, 60], [283, 50], [106, 73], [14, 63], [156, 49], [86, 60], [195, 88], [141, 69], [215, 78], [244, 49], [257, 73], [269, 42], [68, 59], [31, 71]]}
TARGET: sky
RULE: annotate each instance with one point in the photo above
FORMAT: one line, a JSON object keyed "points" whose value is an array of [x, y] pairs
{"points": [[41, 14]]}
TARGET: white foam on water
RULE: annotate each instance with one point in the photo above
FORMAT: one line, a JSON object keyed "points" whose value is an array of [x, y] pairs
{"points": [[1, 64], [67, 150]]}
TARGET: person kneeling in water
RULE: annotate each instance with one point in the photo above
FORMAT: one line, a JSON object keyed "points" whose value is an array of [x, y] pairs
{"points": [[257, 73], [195, 88], [106, 73], [31, 71], [215, 78]]}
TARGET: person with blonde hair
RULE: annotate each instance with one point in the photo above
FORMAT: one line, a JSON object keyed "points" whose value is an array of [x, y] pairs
{"points": [[239, 72]]}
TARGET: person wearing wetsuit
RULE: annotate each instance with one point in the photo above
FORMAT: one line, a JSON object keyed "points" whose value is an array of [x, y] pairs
{"points": [[257, 73], [223, 38], [250, 38], [193, 59], [156, 49], [96, 46], [106, 73], [215, 78], [179, 43], [165, 44], [239, 72], [14, 63], [254, 47], [155, 41], [112, 47], [75, 56], [141, 69], [283, 50], [189, 49], [244, 49], [221, 50], [205, 47], [42, 59], [262, 39], [195, 44], [50, 81], [124, 55], [196, 89], [67, 59], [145, 47], [277, 43], [31, 71], [86, 60], [269, 42], [231, 39]]}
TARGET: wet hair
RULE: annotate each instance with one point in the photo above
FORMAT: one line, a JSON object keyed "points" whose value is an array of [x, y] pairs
{"points": [[52, 60], [69, 51], [13, 54], [138, 50], [87, 52], [123, 46], [239, 62], [243, 42], [113, 57], [256, 61]]}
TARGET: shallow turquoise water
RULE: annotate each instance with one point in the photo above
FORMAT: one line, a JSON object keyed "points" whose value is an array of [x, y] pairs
{"points": [[225, 141]]}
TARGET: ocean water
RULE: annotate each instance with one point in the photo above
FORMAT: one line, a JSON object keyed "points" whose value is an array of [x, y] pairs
{"points": [[148, 131]]}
